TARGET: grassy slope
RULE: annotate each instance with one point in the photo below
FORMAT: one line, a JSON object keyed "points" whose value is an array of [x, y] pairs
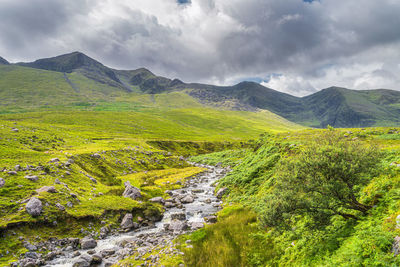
{"points": [[366, 242], [55, 119]]}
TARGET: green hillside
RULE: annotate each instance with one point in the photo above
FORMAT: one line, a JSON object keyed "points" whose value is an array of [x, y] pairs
{"points": [[86, 83]]}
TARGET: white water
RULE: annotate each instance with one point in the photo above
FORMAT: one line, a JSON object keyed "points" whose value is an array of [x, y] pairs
{"points": [[195, 212]]}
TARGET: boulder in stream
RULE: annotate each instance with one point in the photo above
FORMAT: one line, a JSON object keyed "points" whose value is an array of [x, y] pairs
{"points": [[187, 199], [88, 243]]}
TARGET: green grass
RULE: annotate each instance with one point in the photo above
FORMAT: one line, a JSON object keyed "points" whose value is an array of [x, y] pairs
{"points": [[365, 242]]}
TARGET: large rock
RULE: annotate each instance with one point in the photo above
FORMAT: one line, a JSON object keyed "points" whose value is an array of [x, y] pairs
{"points": [[157, 200], [221, 192], [178, 226], [82, 262], [88, 243], [127, 221], [131, 191], [2, 182], [34, 207], [187, 199], [48, 189]]}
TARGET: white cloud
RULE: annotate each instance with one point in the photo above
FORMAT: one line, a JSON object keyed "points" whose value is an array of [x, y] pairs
{"points": [[349, 43]]}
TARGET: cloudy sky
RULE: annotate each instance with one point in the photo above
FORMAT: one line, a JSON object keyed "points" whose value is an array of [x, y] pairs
{"points": [[294, 46]]}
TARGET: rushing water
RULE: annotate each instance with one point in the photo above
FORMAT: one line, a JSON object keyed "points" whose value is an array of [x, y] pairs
{"points": [[205, 204]]}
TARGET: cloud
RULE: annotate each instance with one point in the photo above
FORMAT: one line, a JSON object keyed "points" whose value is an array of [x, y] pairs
{"points": [[312, 44]]}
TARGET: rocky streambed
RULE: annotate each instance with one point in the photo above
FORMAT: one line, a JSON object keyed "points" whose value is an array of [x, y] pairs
{"points": [[187, 209]]}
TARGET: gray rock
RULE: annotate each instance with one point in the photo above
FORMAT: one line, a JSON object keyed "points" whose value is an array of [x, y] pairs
{"points": [[187, 199], [81, 263], [197, 190], [210, 219], [54, 160], [12, 173], [180, 216], [169, 204], [88, 243], [96, 259], [127, 221], [30, 247], [107, 252], [93, 180], [178, 226], [15, 130], [131, 191], [34, 207], [396, 246], [96, 155], [2, 182], [32, 178], [398, 222], [48, 189], [60, 207], [221, 192], [157, 200], [197, 225]]}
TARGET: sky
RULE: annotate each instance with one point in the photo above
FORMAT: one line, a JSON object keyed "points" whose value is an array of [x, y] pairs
{"points": [[294, 46]]}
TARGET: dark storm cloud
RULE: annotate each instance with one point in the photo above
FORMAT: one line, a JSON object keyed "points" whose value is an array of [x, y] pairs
{"points": [[310, 44]]}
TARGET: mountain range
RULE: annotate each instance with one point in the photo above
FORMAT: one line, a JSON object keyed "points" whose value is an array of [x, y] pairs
{"points": [[77, 78]]}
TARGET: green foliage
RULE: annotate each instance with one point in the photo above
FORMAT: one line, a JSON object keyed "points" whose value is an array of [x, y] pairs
{"points": [[322, 181], [233, 241], [310, 238]]}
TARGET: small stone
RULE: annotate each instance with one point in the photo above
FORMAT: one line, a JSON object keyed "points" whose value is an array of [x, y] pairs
{"points": [[60, 207], [96, 155], [12, 173], [32, 178], [2, 182], [54, 160], [197, 225], [210, 219], [221, 192], [48, 189], [30, 247]]}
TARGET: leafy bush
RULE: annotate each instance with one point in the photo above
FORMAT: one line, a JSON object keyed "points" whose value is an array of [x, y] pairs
{"points": [[324, 180]]}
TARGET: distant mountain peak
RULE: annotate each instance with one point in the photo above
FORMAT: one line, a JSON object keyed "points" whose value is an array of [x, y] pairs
{"points": [[3, 61]]}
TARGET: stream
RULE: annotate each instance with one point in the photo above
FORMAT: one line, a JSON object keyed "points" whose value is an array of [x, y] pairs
{"points": [[197, 204]]}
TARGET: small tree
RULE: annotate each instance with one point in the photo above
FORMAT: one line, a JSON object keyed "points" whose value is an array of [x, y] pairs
{"points": [[322, 181]]}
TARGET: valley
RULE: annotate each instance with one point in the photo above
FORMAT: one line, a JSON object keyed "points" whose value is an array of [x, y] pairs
{"points": [[125, 168]]}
